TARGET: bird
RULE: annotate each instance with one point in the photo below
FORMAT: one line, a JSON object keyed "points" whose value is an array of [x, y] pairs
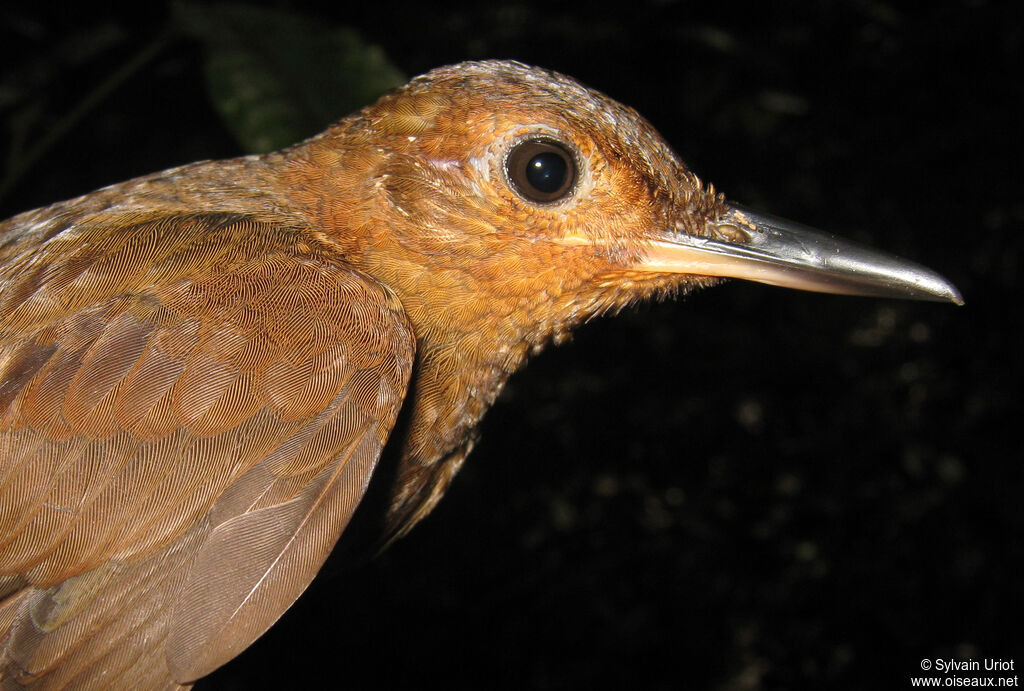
{"points": [[202, 368]]}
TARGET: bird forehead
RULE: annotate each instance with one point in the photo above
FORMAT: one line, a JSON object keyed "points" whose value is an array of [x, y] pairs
{"points": [[489, 100], [510, 84]]}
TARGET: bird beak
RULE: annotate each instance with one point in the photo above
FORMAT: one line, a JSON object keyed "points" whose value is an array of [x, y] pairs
{"points": [[772, 250]]}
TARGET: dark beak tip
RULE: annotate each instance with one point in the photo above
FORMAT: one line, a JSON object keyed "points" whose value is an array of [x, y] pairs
{"points": [[833, 264]]}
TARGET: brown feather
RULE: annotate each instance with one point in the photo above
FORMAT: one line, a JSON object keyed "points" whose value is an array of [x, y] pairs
{"points": [[126, 448], [199, 368]]}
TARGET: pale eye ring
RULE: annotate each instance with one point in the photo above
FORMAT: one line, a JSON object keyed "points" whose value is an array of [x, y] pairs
{"points": [[541, 170]]}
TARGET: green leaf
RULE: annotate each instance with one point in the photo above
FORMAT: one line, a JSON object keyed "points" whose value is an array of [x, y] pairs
{"points": [[277, 77]]}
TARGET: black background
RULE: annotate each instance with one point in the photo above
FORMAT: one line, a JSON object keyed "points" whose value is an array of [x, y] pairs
{"points": [[750, 488]]}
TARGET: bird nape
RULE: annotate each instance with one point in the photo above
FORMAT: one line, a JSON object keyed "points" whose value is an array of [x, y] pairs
{"points": [[201, 368]]}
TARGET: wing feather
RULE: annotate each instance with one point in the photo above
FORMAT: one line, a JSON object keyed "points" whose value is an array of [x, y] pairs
{"points": [[190, 411]]}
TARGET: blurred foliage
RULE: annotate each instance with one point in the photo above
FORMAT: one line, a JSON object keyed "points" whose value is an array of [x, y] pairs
{"points": [[275, 77], [278, 77], [26, 94]]}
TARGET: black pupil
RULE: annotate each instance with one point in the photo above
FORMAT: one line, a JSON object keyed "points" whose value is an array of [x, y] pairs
{"points": [[547, 172], [541, 170]]}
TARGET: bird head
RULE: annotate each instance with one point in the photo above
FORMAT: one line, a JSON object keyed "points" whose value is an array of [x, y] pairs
{"points": [[505, 204], [491, 186]]}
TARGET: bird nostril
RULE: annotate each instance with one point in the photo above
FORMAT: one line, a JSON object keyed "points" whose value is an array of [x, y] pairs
{"points": [[730, 232]]}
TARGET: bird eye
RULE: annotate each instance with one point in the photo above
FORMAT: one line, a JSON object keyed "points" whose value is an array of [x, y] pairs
{"points": [[541, 170]]}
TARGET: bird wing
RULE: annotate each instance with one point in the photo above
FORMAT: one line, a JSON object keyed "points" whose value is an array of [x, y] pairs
{"points": [[190, 411]]}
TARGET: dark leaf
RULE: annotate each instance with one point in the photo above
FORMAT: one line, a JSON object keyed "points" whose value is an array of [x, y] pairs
{"points": [[277, 77]]}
